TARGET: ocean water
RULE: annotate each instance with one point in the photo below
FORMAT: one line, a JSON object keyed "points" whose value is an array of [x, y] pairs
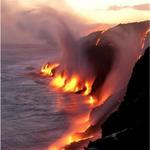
{"points": [[34, 115]]}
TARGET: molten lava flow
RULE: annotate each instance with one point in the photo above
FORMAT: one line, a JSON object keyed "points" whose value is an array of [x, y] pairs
{"points": [[70, 140], [76, 85], [88, 86], [71, 85], [75, 138], [48, 69], [79, 125], [58, 81], [92, 100], [116, 69]]}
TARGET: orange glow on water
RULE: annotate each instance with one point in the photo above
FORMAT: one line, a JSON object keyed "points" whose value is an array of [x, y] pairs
{"points": [[79, 125], [69, 140], [72, 84]]}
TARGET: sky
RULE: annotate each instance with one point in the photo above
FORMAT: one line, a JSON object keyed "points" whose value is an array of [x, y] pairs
{"points": [[102, 10], [99, 11], [19, 23]]}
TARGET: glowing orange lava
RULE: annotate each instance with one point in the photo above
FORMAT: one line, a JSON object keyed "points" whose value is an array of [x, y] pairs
{"points": [[79, 125], [92, 101], [88, 86], [69, 140], [48, 69], [75, 138], [58, 81], [71, 85]]}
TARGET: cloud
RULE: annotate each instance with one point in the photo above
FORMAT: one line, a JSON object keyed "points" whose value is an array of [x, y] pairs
{"points": [[143, 7], [115, 7], [42, 24]]}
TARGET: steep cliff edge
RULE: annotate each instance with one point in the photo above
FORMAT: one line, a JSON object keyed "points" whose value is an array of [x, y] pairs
{"points": [[128, 127]]}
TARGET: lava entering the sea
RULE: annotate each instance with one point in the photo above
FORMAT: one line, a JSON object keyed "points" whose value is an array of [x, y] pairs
{"points": [[48, 69], [111, 61]]}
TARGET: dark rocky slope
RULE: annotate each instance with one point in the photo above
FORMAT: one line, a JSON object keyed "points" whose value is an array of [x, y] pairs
{"points": [[128, 127]]}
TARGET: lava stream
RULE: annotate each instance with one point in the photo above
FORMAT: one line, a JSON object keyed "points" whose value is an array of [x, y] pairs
{"points": [[48, 69]]}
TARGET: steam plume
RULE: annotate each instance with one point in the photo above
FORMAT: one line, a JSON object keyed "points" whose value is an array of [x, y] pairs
{"points": [[127, 41], [109, 63]]}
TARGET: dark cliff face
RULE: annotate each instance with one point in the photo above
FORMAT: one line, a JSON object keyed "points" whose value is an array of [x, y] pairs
{"points": [[128, 127]]}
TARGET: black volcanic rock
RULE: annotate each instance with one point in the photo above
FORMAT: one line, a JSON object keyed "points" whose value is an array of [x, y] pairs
{"points": [[128, 127]]}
